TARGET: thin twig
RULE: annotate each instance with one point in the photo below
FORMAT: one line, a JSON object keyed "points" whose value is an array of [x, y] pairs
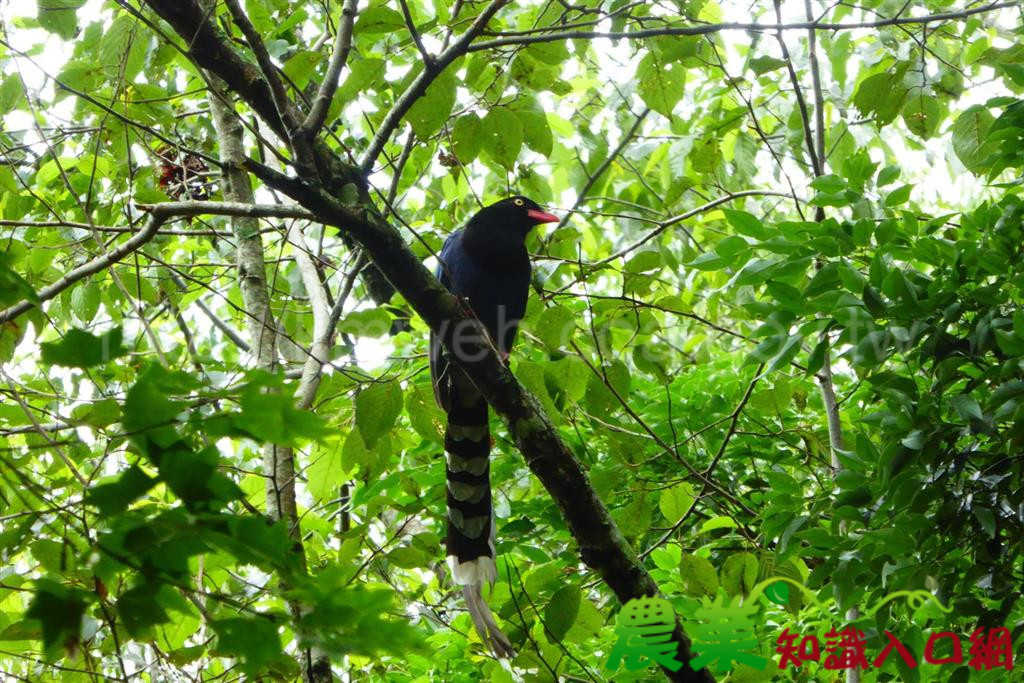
{"points": [[342, 46], [707, 29]]}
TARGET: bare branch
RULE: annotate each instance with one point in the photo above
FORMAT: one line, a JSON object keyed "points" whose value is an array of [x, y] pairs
{"points": [[707, 29], [228, 209], [411, 25], [267, 66], [800, 101], [419, 86], [664, 225], [342, 46], [322, 331], [819, 99]]}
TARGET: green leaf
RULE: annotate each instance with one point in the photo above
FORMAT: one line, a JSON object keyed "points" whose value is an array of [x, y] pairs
{"points": [[502, 136], [882, 95], [830, 183], [80, 349], [766, 350], [273, 417], [255, 642], [739, 574], [193, 477], [467, 137], [536, 131], [987, 520], [352, 620], [140, 610], [100, 414], [762, 65], [898, 196], [660, 85], [369, 322], [709, 260], [718, 522], [745, 223], [887, 175], [555, 326], [643, 262], [698, 575], [676, 502], [377, 407], [970, 132], [149, 411], [561, 611], [967, 408], [59, 611], [11, 95], [116, 47], [432, 109], [326, 471], [707, 155], [85, 301], [301, 66], [364, 75], [379, 19], [113, 497], [58, 16], [13, 287], [424, 414], [922, 114]]}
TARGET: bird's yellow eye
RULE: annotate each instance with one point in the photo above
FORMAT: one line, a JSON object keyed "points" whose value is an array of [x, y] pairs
{"points": [[519, 202]]}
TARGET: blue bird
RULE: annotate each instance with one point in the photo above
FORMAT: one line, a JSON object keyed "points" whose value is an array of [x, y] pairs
{"points": [[485, 264]]}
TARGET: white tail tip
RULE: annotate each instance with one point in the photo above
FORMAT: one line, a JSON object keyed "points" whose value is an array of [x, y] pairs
{"points": [[479, 571], [486, 626]]}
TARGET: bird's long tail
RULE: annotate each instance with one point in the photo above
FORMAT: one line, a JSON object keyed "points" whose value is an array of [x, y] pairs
{"points": [[470, 541]]}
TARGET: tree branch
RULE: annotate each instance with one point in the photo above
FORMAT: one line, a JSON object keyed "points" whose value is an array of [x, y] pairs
{"points": [[239, 209], [419, 86], [322, 329], [411, 25], [706, 29], [801, 103], [278, 461], [206, 45], [284, 106], [342, 46], [664, 225], [158, 216]]}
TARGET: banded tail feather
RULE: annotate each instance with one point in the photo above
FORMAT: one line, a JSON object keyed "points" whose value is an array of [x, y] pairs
{"points": [[470, 534], [486, 264]]}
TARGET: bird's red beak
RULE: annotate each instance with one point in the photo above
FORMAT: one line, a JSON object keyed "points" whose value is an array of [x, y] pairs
{"points": [[542, 216]]}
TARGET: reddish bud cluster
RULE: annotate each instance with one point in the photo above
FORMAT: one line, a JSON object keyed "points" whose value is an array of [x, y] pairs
{"points": [[183, 174]]}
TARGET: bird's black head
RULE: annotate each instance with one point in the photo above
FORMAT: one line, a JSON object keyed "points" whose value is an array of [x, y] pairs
{"points": [[516, 213]]}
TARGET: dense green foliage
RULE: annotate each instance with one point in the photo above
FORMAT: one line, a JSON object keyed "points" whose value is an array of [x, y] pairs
{"points": [[710, 272]]}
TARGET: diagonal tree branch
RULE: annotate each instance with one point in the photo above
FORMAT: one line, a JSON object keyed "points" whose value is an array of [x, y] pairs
{"points": [[158, 216], [411, 25], [431, 70], [342, 46], [608, 161]]}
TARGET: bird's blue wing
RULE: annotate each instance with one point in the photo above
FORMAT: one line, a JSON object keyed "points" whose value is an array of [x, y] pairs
{"points": [[438, 359]]}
